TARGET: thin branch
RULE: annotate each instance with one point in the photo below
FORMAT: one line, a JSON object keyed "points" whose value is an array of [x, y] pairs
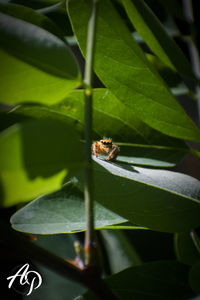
{"points": [[89, 211]]}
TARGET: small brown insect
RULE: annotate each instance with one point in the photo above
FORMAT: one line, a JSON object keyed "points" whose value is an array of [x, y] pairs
{"points": [[105, 147]]}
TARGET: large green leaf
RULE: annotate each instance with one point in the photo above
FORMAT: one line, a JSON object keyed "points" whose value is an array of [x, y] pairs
{"points": [[36, 65], [154, 34], [60, 212], [158, 199], [160, 280], [112, 118], [34, 159], [123, 68]]}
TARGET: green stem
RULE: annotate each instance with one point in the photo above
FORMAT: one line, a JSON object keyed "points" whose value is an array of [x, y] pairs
{"points": [[50, 9], [89, 211], [196, 240]]}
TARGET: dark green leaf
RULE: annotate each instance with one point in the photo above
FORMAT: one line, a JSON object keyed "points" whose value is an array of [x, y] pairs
{"points": [[158, 199], [154, 34], [34, 159], [36, 4], [194, 277], [120, 251], [29, 15], [186, 251], [168, 75], [60, 212], [160, 280], [123, 68], [174, 7], [36, 65]]}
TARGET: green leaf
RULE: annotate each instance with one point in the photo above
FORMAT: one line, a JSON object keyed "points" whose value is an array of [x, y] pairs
{"points": [[37, 65], [150, 155], [160, 280], [34, 159], [194, 276], [60, 212], [121, 253], [171, 77], [186, 251], [112, 118], [123, 68], [158, 199], [31, 16], [154, 34]]}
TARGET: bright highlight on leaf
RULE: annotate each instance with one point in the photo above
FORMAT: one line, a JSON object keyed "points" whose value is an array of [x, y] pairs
{"points": [[29, 70], [35, 157]]}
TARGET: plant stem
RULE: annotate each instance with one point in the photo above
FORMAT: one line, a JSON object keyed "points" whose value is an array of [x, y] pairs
{"points": [[50, 9], [193, 50], [89, 211], [196, 240]]}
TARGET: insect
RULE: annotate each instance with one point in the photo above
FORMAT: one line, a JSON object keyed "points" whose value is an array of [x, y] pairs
{"points": [[105, 147]]}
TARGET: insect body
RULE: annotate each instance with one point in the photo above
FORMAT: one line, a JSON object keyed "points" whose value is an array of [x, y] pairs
{"points": [[105, 147]]}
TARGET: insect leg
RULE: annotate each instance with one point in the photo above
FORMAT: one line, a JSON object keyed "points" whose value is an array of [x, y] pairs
{"points": [[113, 154], [95, 149]]}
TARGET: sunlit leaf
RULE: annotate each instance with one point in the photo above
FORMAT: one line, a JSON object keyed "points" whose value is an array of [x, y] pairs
{"points": [[124, 70], [34, 159], [158, 199], [153, 33], [36, 65]]}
